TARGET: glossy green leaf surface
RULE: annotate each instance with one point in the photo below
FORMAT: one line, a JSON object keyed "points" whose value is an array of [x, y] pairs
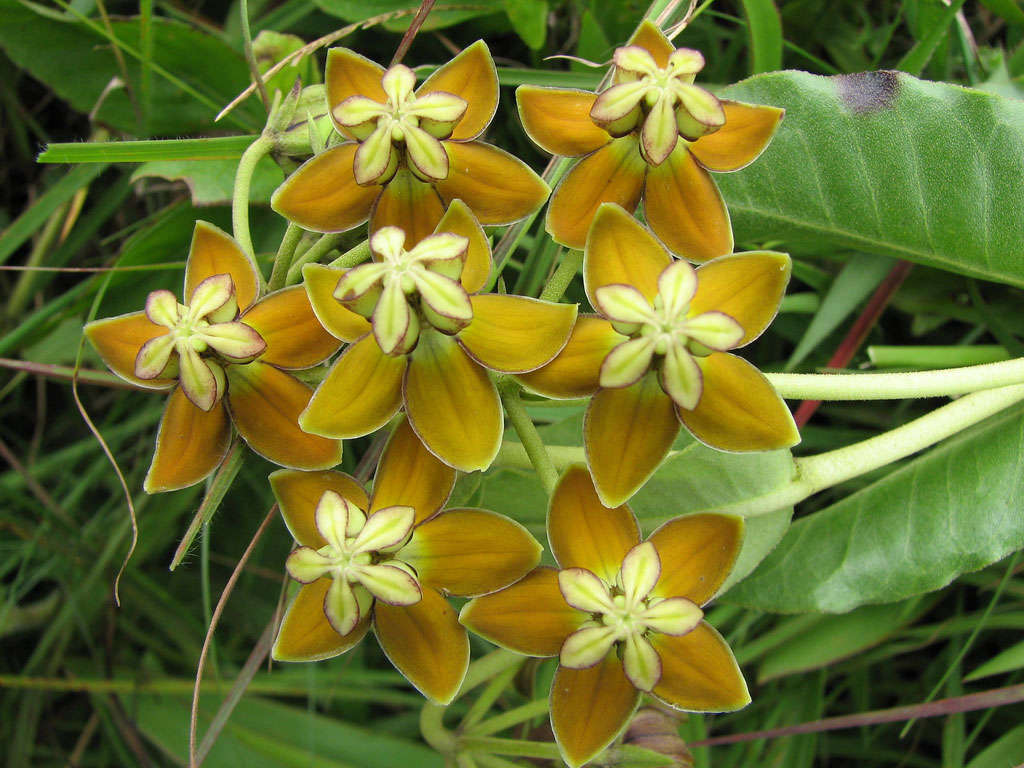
{"points": [[955, 509], [884, 163]]}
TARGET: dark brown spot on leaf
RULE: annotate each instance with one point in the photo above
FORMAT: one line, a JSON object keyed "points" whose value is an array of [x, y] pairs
{"points": [[868, 91]]}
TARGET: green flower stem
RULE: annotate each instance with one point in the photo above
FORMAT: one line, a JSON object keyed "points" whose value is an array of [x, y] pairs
{"points": [[240, 198], [892, 386], [250, 57], [285, 254], [816, 473], [527, 431], [315, 252], [353, 256], [936, 356], [499, 723], [514, 456], [487, 697], [563, 276]]}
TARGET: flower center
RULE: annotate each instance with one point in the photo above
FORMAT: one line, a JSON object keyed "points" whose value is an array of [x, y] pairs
{"points": [[404, 131], [359, 556], [406, 288], [202, 336]]}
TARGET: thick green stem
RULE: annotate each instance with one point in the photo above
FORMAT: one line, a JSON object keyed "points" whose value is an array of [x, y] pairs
{"points": [[355, 255], [527, 431], [936, 356], [315, 252], [563, 276], [499, 723], [240, 199], [285, 254], [816, 473], [894, 386]]}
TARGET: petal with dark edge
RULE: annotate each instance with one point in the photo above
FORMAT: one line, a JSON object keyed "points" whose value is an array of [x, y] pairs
{"points": [[295, 338], [626, 433], [530, 617], [650, 37], [498, 187], [320, 282], [514, 334], [575, 371], [265, 404], [426, 643], [746, 286], [411, 476], [410, 204], [589, 707], [748, 129], [699, 672], [685, 209], [191, 444], [298, 494], [305, 633], [613, 174], [583, 532], [215, 252], [697, 553], [459, 220], [471, 76], [118, 341], [349, 74], [322, 195], [739, 410], [558, 120], [360, 394], [620, 250], [452, 404], [469, 552]]}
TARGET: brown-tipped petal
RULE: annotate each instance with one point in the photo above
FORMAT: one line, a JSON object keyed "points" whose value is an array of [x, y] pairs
{"points": [[426, 643], [265, 405], [589, 707], [576, 369], [360, 394], [699, 672], [738, 409], [627, 432], [516, 334], [410, 204], [697, 553], [685, 209], [583, 532], [748, 129], [320, 282], [459, 220], [305, 633], [215, 252], [468, 552], [530, 617], [746, 286], [118, 341], [498, 187], [286, 321], [558, 120], [322, 195], [191, 444], [452, 404], [620, 250], [612, 174], [410, 475], [349, 74], [650, 37], [298, 494], [471, 76]]}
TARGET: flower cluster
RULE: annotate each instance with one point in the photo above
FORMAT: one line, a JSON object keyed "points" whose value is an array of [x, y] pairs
{"points": [[427, 349]]}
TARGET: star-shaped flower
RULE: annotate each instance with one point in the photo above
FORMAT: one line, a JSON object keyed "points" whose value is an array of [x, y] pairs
{"points": [[652, 135], [623, 616], [389, 560], [430, 342], [410, 151], [658, 350], [224, 357]]}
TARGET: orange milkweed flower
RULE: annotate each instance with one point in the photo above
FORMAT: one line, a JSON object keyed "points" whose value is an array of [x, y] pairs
{"points": [[623, 616], [224, 357]]}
